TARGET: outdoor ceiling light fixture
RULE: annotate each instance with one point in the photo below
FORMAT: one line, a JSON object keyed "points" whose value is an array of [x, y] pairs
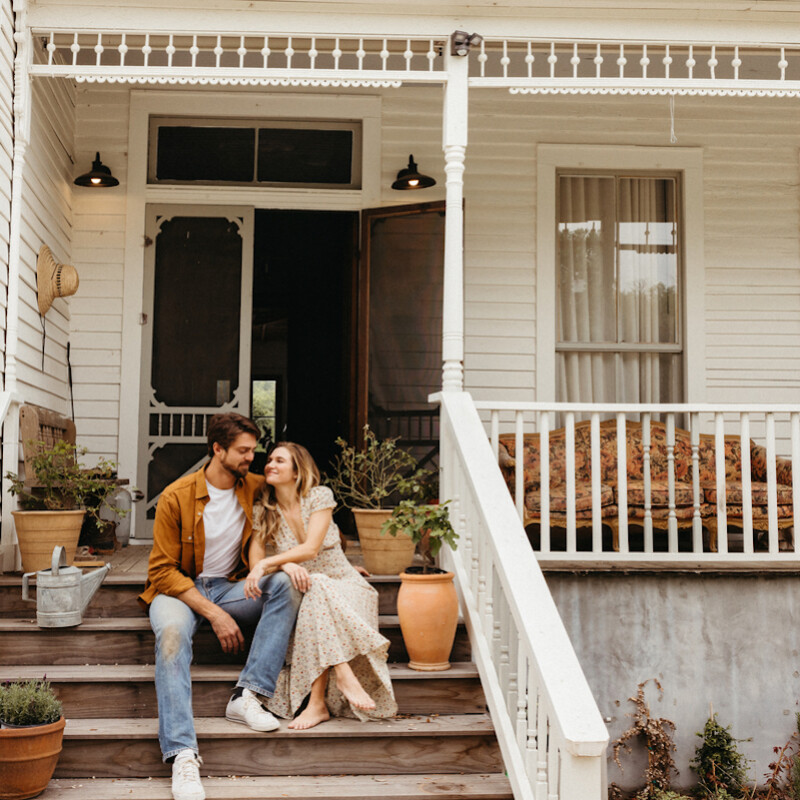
{"points": [[410, 177], [98, 176], [461, 41]]}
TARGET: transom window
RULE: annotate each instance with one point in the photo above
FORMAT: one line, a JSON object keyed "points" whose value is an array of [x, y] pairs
{"points": [[324, 154], [619, 288]]}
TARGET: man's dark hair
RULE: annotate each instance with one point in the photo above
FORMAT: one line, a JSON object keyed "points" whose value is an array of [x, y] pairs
{"points": [[224, 428]]}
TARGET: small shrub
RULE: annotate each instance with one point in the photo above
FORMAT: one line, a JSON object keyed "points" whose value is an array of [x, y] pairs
{"points": [[657, 734], [720, 767], [30, 702]]}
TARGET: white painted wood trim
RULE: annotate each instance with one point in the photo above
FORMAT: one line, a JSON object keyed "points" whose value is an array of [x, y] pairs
{"points": [[688, 161], [143, 104]]}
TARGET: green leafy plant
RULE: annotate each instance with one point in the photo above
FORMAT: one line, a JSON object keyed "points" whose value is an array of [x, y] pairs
{"points": [[428, 525], [60, 483], [370, 476], [720, 767], [657, 733], [30, 702]]}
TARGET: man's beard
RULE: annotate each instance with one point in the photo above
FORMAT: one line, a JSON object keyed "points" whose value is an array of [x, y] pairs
{"points": [[237, 472]]}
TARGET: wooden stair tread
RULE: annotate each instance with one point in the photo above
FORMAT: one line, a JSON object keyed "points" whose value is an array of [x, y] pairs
{"points": [[493, 786], [116, 673], [219, 728], [92, 624]]}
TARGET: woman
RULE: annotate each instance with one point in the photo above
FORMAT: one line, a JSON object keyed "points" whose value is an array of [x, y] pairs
{"points": [[338, 657]]}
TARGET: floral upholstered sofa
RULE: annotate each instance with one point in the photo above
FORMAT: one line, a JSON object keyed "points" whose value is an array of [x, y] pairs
{"points": [[684, 499]]}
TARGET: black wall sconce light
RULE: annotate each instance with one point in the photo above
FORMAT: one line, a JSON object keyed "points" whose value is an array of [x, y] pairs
{"points": [[411, 178], [461, 41], [98, 176]]}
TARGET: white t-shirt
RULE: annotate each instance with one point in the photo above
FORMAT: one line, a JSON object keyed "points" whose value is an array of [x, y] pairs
{"points": [[223, 520]]}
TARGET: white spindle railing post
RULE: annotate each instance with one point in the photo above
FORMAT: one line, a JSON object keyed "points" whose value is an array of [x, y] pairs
{"points": [[570, 482], [597, 520], [544, 483], [719, 463], [772, 484], [519, 486], [747, 494], [697, 522], [648, 483], [622, 482], [672, 521]]}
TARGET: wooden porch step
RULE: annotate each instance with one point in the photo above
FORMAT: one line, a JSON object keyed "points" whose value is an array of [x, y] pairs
{"points": [[129, 640], [337, 787], [128, 748], [117, 596], [109, 690]]}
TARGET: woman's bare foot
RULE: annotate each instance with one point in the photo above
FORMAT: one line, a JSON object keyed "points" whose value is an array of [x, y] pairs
{"points": [[311, 715], [350, 687]]}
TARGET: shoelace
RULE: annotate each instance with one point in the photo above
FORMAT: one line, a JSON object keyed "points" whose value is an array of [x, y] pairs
{"points": [[189, 768]]}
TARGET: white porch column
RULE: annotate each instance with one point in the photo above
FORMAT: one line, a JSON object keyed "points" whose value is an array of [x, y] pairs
{"points": [[22, 125], [454, 144]]}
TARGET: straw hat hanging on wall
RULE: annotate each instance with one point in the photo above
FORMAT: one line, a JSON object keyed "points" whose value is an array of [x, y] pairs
{"points": [[53, 279]]}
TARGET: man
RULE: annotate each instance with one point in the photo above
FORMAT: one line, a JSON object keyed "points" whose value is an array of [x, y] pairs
{"points": [[201, 538]]}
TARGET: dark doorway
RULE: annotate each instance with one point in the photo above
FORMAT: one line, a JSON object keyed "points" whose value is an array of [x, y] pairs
{"points": [[303, 273]]}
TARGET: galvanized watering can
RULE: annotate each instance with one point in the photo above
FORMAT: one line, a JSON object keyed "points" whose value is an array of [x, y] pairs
{"points": [[62, 592]]}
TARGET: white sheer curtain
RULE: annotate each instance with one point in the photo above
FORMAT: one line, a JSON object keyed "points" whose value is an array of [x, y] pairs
{"points": [[618, 283]]}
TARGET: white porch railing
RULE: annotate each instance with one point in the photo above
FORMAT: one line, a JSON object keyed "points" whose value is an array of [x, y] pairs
{"points": [[548, 725], [655, 67], [686, 515]]}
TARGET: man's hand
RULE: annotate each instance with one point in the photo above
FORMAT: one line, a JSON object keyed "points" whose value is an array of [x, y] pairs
{"points": [[301, 579], [227, 631]]}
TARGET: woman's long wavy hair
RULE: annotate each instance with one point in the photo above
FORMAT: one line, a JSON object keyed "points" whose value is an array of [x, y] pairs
{"points": [[307, 479]]}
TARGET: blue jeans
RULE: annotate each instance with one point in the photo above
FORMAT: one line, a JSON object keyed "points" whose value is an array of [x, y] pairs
{"points": [[174, 624]]}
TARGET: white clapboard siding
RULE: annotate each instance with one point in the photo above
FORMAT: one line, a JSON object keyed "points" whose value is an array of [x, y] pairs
{"points": [[46, 219], [99, 247]]}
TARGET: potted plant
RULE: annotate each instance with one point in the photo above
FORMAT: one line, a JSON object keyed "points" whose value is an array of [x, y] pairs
{"points": [[54, 500], [31, 731], [427, 604], [367, 481]]}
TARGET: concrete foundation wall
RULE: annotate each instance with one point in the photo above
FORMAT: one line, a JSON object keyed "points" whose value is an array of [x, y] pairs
{"points": [[727, 641]]}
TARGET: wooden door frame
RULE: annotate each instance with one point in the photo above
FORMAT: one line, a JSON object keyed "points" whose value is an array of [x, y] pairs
{"points": [[359, 378]]}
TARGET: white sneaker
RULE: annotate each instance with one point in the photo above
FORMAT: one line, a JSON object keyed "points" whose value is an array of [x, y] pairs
{"points": [[186, 783], [248, 710]]}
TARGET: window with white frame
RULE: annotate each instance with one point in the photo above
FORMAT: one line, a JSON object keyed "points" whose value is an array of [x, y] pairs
{"points": [[619, 288]]}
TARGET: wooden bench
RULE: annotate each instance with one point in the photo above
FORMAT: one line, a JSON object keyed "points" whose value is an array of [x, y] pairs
{"points": [[37, 424]]}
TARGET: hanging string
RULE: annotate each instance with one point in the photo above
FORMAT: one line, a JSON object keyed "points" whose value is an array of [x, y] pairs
{"points": [[672, 137]]}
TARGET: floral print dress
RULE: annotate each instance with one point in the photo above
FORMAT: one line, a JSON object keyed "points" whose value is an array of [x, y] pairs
{"points": [[337, 622]]}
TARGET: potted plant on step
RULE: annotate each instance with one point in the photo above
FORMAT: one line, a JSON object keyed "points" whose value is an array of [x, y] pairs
{"points": [[31, 731], [366, 480], [427, 604], [54, 500]]}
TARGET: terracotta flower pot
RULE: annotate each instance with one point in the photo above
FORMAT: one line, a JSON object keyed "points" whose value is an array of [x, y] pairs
{"points": [[28, 758], [383, 555], [38, 532], [428, 609]]}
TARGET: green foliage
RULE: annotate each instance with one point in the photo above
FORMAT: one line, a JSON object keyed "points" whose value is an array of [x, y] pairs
{"points": [[428, 525], [60, 483], [720, 767], [30, 702], [370, 476]]}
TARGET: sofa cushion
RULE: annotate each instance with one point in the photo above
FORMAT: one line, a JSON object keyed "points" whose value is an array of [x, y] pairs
{"points": [[558, 498], [735, 515], [758, 491], [659, 494]]}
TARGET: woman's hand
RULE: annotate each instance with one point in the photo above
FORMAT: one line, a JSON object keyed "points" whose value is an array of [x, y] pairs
{"points": [[361, 570], [251, 588], [301, 579]]}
